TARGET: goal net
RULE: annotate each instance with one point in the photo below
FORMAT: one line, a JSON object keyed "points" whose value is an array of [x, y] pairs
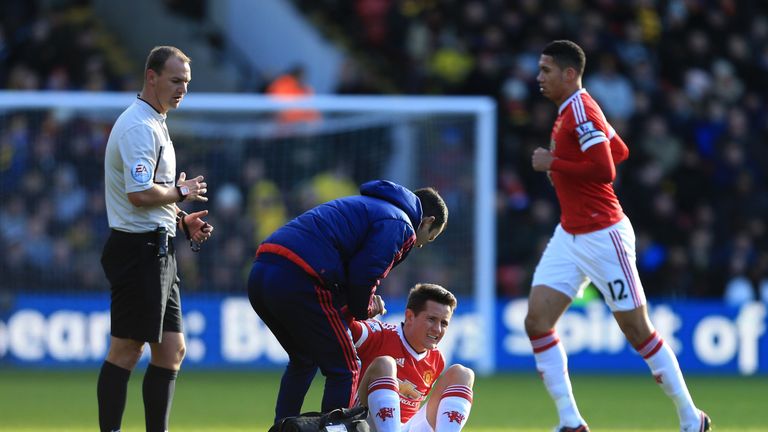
{"points": [[265, 161]]}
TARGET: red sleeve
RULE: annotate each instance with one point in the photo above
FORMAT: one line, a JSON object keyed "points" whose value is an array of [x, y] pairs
{"points": [[619, 150], [598, 168], [356, 328]]}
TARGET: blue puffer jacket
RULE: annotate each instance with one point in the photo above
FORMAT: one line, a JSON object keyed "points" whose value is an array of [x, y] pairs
{"points": [[351, 243]]}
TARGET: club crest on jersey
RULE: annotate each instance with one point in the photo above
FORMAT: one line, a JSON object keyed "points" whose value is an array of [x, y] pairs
{"points": [[428, 378], [141, 171], [585, 128]]}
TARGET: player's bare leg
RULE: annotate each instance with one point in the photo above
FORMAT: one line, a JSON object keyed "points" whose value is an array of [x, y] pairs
{"points": [[380, 392], [545, 307], [451, 399], [663, 363]]}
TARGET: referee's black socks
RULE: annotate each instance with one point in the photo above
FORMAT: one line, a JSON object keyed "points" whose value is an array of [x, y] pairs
{"points": [[111, 392], [158, 387]]}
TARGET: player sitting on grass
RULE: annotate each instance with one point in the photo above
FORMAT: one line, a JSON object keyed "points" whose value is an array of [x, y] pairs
{"points": [[400, 364]]}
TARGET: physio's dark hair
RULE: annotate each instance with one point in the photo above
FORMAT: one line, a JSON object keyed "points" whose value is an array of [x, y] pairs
{"points": [[422, 292], [432, 204], [566, 54], [160, 54]]}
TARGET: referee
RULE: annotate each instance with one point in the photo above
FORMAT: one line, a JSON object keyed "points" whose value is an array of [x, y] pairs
{"points": [[139, 260]]}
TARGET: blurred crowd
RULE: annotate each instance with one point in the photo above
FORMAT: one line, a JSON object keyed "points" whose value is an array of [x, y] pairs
{"points": [[680, 80], [52, 198], [59, 47]]}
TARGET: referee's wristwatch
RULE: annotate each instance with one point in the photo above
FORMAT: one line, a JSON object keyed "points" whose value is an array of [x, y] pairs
{"points": [[183, 192]]}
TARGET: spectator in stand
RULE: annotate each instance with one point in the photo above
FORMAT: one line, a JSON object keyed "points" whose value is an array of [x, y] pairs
{"points": [[290, 86], [612, 90]]}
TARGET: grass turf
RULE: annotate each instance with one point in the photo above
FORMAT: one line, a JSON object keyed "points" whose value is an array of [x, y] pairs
{"points": [[243, 401]]}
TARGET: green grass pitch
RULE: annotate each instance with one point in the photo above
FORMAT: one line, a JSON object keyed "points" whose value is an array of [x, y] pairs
{"points": [[243, 401]]}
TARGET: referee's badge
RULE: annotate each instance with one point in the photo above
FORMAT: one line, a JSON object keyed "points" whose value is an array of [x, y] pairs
{"points": [[141, 171]]}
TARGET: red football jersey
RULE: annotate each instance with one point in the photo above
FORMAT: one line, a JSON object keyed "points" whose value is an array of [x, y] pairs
{"points": [[586, 205], [416, 373]]}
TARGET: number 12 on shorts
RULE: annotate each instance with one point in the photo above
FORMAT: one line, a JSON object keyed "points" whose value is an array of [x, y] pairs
{"points": [[618, 292]]}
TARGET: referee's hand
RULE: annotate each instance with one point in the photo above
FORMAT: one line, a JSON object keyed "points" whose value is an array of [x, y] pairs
{"points": [[199, 230], [197, 187]]}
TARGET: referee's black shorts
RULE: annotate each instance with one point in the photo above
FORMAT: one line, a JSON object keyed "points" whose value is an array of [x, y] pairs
{"points": [[145, 287]]}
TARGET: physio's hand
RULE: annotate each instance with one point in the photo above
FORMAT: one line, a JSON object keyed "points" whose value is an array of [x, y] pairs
{"points": [[197, 187], [199, 230], [377, 306]]}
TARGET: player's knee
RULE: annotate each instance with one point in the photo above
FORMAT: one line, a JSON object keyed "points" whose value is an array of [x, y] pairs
{"points": [[635, 325], [459, 374], [384, 365], [535, 324], [636, 333]]}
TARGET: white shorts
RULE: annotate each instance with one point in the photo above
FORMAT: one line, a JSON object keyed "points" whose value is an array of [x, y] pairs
{"points": [[605, 257], [417, 423]]}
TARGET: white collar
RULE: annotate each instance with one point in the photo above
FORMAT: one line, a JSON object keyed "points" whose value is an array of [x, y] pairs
{"points": [[572, 97], [408, 347], [149, 109]]}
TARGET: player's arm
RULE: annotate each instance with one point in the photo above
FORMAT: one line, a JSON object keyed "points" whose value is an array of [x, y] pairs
{"points": [[619, 150], [598, 168], [366, 335]]}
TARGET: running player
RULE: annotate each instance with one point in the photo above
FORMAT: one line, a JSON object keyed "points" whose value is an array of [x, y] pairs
{"points": [[593, 242]]}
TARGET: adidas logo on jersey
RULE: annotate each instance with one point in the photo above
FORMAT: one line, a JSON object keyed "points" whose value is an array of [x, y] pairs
{"points": [[400, 361]]}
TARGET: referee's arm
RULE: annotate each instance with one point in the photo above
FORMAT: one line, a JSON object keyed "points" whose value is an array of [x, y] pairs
{"points": [[155, 196]]}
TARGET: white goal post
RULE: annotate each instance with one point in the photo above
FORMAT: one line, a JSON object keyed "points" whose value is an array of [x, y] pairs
{"points": [[341, 112]]}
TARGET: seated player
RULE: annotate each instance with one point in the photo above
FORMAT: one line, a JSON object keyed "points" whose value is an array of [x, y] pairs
{"points": [[401, 365]]}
